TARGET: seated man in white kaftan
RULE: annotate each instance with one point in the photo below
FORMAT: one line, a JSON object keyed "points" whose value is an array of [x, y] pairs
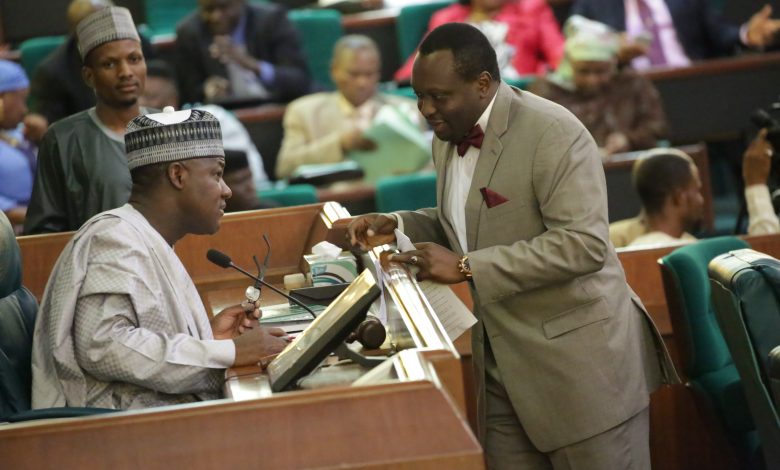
{"points": [[121, 324]]}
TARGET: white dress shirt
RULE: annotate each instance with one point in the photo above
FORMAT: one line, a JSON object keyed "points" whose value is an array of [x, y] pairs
{"points": [[761, 212]]}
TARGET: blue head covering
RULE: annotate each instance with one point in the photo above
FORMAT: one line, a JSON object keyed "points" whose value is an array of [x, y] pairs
{"points": [[12, 77]]}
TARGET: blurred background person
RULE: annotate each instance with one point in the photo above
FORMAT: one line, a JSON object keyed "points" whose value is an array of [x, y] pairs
{"points": [[756, 169], [621, 109], [82, 167], [325, 127], [160, 91], [231, 50], [677, 32], [20, 133], [57, 87], [668, 184], [238, 177], [524, 33]]}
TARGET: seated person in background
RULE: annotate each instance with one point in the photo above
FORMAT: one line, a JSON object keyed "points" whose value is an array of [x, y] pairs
{"points": [[756, 166], [621, 109], [524, 34], [228, 49], [57, 87], [121, 324], [238, 177], [324, 127], [160, 91], [82, 167], [669, 188], [19, 134], [679, 31]]}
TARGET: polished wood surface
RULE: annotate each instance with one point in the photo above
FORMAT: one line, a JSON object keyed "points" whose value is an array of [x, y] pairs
{"points": [[39, 253], [410, 425]]}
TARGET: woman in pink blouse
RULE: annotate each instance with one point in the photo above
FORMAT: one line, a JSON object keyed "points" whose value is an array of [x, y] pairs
{"points": [[525, 34]]}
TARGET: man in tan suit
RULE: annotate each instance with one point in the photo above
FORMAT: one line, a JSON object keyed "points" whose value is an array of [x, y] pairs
{"points": [[324, 127], [565, 355]]}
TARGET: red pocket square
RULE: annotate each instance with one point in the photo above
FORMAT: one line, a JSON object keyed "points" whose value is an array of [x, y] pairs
{"points": [[492, 198]]}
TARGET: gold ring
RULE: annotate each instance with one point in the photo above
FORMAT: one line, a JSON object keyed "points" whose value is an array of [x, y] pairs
{"points": [[413, 259]]}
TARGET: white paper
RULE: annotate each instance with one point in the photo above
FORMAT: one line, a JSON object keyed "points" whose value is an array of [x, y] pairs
{"points": [[454, 316], [327, 250]]}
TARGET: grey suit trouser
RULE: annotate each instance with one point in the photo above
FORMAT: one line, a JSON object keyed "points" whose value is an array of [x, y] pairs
{"points": [[507, 446]]}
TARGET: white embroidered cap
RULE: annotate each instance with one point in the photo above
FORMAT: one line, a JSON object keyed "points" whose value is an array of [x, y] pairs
{"points": [[172, 136]]}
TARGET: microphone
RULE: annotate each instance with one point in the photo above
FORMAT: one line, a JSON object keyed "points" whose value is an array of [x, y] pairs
{"points": [[370, 333], [223, 261]]}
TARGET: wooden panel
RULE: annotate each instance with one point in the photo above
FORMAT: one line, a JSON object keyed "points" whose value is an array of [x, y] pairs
{"points": [[713, 100], [404, 425], [39, 253]]}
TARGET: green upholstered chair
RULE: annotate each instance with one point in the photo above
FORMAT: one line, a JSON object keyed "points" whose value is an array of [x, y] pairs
{"points": [[319, 30], [745, 284], [34, 50], [163, 15], [412, 23], [18, 308], [406, 192], [706, 363], [292, 195]]}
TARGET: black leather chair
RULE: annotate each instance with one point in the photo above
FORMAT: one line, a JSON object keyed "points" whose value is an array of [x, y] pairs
{"points": [[745, 287], [18, 308]]}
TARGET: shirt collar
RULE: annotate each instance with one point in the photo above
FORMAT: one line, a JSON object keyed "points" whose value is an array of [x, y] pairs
{"points": [[483, 120], [348, 108]]}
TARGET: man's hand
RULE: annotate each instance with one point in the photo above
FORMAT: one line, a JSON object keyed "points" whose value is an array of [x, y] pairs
{"points": [[226, 51], [215, 88], [35, 125], [235, 320], [354, 140], [762, 29], [616, 142], [370, 230], [757, 161], [435, 263], [259, 343]]}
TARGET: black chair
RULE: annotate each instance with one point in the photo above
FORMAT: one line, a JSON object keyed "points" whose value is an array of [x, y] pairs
{"points": [[745, 287], [18, 308]]}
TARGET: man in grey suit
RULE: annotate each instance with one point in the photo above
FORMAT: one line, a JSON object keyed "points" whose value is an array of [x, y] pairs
{"points": [[565, 354]]}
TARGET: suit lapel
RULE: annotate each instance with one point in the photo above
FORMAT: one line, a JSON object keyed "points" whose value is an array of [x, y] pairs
{"points": [[488, 159]]}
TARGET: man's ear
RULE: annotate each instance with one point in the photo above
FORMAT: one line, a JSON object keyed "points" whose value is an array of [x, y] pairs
{"points": [[88, 76], [483, 83], [677, 197], [177, 174]]}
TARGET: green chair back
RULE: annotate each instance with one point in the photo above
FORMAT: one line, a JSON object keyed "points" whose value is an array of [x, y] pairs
{"points": [[34, 50], [706, 361], [406, 192], [319, 30], [163, 15], [292, 195], [412, 23], [745, 285]]}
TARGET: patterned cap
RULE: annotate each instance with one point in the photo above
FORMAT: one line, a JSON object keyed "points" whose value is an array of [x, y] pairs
{"points": [[172, 136], [12, 77], [105, 25]]}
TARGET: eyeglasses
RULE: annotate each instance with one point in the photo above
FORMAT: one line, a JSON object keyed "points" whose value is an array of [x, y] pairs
{"points": [[253, 292]]}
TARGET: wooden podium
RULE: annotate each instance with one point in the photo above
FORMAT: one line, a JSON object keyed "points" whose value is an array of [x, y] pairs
{"points": [[405, 423]]}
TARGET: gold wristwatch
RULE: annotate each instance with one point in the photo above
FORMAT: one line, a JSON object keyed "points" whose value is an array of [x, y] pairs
{"points": [[465, 267]]}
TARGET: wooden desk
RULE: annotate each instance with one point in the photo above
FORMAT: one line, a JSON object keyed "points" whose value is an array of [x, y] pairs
{"points": [[399, 425]]}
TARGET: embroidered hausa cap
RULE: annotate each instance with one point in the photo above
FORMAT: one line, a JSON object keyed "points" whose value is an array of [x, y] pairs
{"points": [[105, 25], [172, 136]]}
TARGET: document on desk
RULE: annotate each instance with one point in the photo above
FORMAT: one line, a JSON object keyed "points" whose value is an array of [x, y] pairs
{"points": [[454, 316]]}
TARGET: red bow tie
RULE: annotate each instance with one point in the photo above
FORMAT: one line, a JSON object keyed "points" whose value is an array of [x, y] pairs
{"points": [[474, 138]]}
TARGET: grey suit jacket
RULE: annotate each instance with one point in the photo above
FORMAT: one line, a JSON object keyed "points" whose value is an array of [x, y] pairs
{"points": [[577, 352]]}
